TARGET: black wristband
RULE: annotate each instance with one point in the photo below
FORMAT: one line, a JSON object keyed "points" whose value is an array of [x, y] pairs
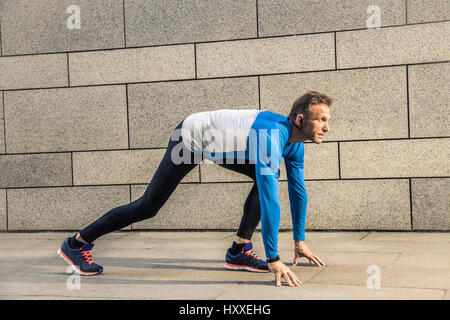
{"points": [[270, 260]]}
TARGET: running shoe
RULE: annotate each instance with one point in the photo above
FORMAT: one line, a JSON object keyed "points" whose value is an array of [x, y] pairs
{"points": [[80, 259], [246, 260]]}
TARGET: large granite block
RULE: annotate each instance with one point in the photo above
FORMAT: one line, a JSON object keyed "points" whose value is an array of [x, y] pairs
{"points": [[189, 208], [296, 17], [173, 21], [120, 167], [39, 71], [348, 205], [2, 126], [62, 208], [132, 65], [395, 158], [155, 109], [212, 172], [429, 100], [358, 205], [265, 56], [427, 11], [3, 213], [321, 161], [66, 119], [42, 26], [431, 203], [52, 169], [366, 102], [396, 45]]}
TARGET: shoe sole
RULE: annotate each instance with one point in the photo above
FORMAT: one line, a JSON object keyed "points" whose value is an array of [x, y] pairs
{"points": [[74, 267], [230, 266]]}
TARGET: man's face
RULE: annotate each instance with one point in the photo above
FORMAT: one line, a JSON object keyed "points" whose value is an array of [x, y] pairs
{"points": [[315, 124]]}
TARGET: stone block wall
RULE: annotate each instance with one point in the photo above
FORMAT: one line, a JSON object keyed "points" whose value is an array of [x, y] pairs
{"points": [[86, 113]]}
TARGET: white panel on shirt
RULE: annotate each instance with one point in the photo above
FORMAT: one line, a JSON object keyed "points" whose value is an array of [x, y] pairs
{"points": [[223, 130]]}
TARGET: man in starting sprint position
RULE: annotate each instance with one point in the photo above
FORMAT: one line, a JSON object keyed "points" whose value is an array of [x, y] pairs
{"points": [[251, 142]]}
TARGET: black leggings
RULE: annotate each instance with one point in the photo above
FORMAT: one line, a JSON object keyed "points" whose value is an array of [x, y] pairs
{"points": [[164, 182]]}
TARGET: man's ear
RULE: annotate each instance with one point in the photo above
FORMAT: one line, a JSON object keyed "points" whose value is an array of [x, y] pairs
{"points": [[300, 118]]}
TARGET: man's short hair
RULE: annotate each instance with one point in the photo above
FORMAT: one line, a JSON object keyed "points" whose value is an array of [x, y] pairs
{"points": [[304, 102]]}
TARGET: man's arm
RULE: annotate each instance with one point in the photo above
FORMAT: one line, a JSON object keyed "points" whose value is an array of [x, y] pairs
{"points": [[298, 197], [267, 183], [270, 223], [265, 150]]}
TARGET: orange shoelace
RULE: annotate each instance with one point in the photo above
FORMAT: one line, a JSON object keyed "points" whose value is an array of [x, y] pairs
{"points": [[87, 255], [252, 254]]}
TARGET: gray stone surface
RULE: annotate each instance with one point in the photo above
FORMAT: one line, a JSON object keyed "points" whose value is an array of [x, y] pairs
{"points": [[394, 45], [211, 172], [265, 56], [155, 109], [394, 242], [3, 217], [172, 21], [66, 119], [120, 167], [313, 291], [41, 26], [132, 65], [162, 265], [34, 170], [39, 71], [395, 158], [427, 11], [429, 96], [339, 259], [2, 127], [358, 204], [321, 161], [409, 259], [296, 17], [185, 209], [67, 208], [431, 203], [429, 238], [435, 278], [366, 102], [389, 276]]}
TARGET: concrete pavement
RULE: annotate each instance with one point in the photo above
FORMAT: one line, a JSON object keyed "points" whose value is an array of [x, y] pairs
{"points": [[189, 265]]}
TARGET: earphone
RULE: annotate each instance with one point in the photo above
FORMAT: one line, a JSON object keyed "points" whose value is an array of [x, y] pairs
{"points": [[298, 126]]}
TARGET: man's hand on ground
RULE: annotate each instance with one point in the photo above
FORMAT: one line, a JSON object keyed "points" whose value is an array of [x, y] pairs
{"points": [[280, 270], [301, 250]]}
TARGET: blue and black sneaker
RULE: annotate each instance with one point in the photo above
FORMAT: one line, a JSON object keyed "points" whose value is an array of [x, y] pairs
{"points": [[245, 260], [80, 259]]}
